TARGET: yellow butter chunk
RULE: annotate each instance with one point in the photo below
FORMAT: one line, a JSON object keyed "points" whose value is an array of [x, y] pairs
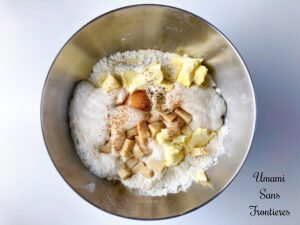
{"points": [[110, 83], [186, 74], [133, 81], [172, 70], [153, 74], [160, 138], [173, 150], [173, 154], [200, 74], [200, 138], [201, 176], [168, 86]]}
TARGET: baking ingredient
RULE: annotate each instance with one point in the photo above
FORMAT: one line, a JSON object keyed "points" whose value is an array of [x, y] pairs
{"points": [[150, 119]]}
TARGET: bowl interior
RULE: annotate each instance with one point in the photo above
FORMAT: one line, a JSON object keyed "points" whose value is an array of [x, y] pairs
{"points": [[142, 27]]}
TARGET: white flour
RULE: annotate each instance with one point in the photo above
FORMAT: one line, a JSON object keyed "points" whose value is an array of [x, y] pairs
{"points": [[91, 107]]}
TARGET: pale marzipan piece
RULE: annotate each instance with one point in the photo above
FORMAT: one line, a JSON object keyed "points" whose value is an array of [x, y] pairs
{"points": [[131, 162], [124, 173], [106, 148], [156, 165], [142, 129], [142, 144], [131, 133], [176, 124], [199, 151], [187, 117], [137, 168], [147, 172], [155, 127], [168, 117], [137, 152], [127, 148], [201, 176]]}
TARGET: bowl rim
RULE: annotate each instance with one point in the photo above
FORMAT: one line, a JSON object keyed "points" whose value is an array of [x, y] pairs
{"points": [[254, 122]]}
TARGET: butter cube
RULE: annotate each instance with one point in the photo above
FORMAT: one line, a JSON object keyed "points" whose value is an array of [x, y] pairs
{"points": [[167, 85], [200, 74], [133, 81], [110, 83], [173, 154], [199, 151], [153, 74], [200, 138], [201, 176], [186, 74]]}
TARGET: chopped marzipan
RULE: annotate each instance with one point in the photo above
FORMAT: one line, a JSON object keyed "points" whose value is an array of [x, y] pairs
{"points": [[142, 144], [155, 128], [138, 167], [156, 165], [187, 117], [142, 129], [131, 133], [199, 151], [168, 117], [176, 124], [201, 176], [131, 162], [137, 152], [168, 134], [106, 148], [127, 148], [147, 172], [124, 173]]}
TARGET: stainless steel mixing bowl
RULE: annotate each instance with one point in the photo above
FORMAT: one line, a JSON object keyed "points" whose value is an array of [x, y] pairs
{"points": [[142, 27]]}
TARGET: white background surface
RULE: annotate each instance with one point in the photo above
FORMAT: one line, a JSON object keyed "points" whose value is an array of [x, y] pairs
{"points": [[266, 33]]}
